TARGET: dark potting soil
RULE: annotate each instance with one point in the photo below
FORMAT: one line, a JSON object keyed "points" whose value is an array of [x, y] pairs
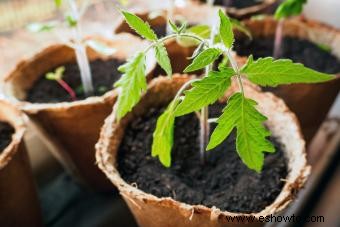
{"points": [[6, 132], [302, 51], [236, 3], [224, 181], [104, 73]]}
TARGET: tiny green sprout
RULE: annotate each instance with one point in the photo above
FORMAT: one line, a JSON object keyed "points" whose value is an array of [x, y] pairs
{"points": [[288, 8], [240, 114], [72, 15], [57, 76]]}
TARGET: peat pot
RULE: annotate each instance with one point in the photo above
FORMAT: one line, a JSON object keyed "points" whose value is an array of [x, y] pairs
{"points": [[71, 129], [19, 200], [153, 211]]}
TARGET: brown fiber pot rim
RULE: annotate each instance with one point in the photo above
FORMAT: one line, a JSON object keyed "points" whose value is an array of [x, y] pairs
{"points": [[243, 12], [290, 137], [9, 114], [123, 52], [190, 12]]}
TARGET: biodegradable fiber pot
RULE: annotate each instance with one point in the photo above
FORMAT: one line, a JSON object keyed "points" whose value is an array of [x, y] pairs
{"points": [[266, 6], [150, 210], [19, 200], [71, 129], [193, 14], [310, 102]]}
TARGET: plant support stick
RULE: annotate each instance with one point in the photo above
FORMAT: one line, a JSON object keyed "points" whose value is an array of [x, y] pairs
{"points": [[278, 39], [80, 49]]}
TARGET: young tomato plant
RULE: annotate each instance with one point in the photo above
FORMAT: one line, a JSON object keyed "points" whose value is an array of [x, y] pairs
{"points": [[57, 76], [240, 112], [72, 15], [287, 9]]}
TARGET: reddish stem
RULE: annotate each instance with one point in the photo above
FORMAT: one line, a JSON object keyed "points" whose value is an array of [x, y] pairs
{"points": [[67, 88], [278, 39]]}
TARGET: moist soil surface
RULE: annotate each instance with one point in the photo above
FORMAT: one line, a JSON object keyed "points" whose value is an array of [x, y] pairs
{"points": [[236, 3], [223, 181], [6, 132], [104, 75], [302, 51]]}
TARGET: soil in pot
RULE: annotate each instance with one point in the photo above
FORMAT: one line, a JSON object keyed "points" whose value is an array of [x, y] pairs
{"points": [[302, 51], [223, 181], [6, 132], [239, 4], [105, 73]]}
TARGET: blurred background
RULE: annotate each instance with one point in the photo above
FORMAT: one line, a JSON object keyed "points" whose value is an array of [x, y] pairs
{"points": [[64, 202]]}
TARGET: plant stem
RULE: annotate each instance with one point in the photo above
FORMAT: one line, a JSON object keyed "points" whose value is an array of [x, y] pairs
{"points": [[172, 36], [236, 69], [67, 88], [278, 39], [80, 50]]}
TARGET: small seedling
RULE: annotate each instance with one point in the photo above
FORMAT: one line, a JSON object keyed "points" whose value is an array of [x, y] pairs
{"points": [[240, 112], [57, 76], [72, 15], [287, 9]]}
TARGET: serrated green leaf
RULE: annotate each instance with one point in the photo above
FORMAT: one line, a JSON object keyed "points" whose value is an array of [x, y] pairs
{"points": [[163, 58], [251, 141], [289, 8], [141, 27], [132, 84], [205, 58], [226, 30], [205, 92], [163, 136], [238, 25], [270, 72]]}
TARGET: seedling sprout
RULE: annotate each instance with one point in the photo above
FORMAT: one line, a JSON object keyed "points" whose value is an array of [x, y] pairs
{"points": [[240, 112]]}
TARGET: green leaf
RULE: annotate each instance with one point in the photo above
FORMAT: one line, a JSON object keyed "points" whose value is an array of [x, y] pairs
{"points": [[205, 92], [238, 25], [101, 47], [289, 8], [132, 84], [205, 58], [58, 3], [71, 21], [42, 27], [141, 27], [202, 31], [163, 58], [57, 74], [270, 72], [251, 141], [226, 30], [174, 27], [163, 136]]}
